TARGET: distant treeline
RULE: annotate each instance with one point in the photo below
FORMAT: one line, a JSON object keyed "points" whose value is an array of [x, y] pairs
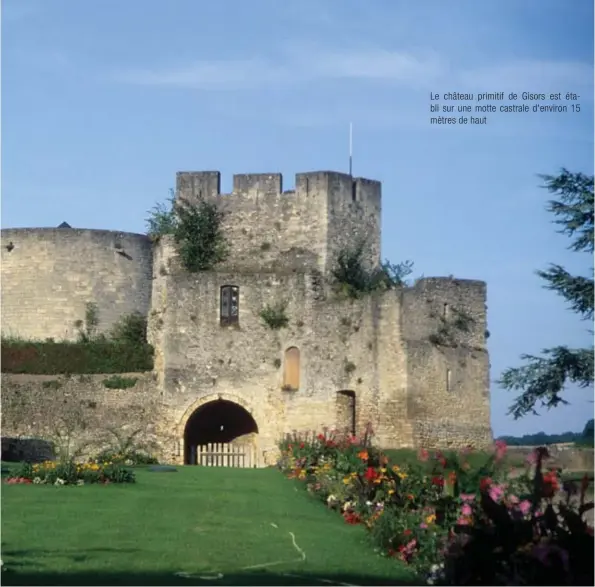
{"points": [[584, 438]]}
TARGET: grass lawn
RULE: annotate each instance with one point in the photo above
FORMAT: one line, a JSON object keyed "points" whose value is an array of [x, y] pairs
{"points": [[252, 526]]}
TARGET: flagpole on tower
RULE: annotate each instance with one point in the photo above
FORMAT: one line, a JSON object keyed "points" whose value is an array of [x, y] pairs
{"points": [[350, 148]]}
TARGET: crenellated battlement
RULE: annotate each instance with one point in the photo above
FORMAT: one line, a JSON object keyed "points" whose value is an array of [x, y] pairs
{"points": [[207, 184], [323, 214]]}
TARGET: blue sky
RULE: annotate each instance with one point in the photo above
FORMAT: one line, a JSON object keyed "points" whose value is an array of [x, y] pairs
{"points": [[103, 102]]}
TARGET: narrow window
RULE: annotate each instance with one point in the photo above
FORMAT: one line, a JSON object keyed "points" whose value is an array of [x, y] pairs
{"points": [[448, 380], [291, 370], [230, 303], [346, 411], [353, 191]]}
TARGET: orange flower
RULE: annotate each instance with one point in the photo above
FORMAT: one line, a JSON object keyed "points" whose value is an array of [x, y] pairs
{"points": [[363, 455], [452, 477], [411, 496]]}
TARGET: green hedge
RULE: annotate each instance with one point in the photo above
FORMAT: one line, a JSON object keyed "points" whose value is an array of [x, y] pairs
{"points": [[58, 358]]}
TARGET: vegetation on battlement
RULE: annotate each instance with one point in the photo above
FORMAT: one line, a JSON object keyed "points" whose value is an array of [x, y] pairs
{"points": [[123, 350], [354, 280], [196, 230]]}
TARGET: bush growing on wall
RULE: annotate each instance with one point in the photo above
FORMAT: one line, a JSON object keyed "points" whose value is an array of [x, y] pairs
{"points": [[354, 279], [196, 229]]}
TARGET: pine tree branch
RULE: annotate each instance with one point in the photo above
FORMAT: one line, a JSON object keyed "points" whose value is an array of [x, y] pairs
{"points": [[577, 290], [574, 210], [543, 379]]}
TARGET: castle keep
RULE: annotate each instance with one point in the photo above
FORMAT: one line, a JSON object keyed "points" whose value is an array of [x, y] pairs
{"points": [[398, 359]]}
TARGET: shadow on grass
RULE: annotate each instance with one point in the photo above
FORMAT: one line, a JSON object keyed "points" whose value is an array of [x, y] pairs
{"points": [[261, 577]]}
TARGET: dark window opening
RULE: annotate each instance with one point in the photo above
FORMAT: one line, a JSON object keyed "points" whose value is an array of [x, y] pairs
{"points": [[353, 191], [230, 305]]}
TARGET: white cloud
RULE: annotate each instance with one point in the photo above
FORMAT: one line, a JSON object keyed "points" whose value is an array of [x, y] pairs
{"points": [[533, 76], [300, 64]]}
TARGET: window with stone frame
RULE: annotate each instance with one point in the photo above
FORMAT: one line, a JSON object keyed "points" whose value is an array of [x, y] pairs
{"points": [[291, 369], [229, 305]]}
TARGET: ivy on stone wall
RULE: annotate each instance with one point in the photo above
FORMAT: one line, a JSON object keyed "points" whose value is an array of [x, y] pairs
{"points": [[196, 230]]}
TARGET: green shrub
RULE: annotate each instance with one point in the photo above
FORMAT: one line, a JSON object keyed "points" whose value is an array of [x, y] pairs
{"points": [[130, 330], [353, 279], [275, 316], [60, 358], [196, 229]]}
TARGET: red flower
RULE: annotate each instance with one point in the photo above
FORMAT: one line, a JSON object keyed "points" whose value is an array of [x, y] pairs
{"points": [[484, 484], [320, 437], [550, 484], [351, 518], [302, 445], [290, 447], [371, 474], [406, 532], [438, 481]]}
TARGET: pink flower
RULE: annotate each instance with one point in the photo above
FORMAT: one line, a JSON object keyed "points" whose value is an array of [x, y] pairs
{"points": [[531, 457], [500, 449], [525, 507], [423, 525], [466, 510], [467, 496], [463, 521], [496, 492], [423, 455]]}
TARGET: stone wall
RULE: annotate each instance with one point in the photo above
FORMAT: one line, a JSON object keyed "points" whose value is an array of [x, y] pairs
{"points": [[80, 410], [50, 274], [448, 376]]}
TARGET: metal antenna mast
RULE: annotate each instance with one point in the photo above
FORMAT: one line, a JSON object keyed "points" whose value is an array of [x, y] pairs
{"points": [[350, 148]]}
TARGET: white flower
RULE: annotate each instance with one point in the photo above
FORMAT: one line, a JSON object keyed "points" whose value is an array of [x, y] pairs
{"points": [[368, 502], [331, 498], [59, 481], [80, 482], [128, 462], [37, 480], [347, 505]]}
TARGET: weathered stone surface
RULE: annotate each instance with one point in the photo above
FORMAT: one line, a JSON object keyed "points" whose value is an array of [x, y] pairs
{"points": [[380, 354]]}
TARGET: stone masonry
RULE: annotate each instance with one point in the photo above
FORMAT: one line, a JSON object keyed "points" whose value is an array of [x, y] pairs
{"points": [[413, 361]]}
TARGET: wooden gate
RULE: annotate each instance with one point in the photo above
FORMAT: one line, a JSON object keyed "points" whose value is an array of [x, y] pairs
{"points": [[223, 455]]}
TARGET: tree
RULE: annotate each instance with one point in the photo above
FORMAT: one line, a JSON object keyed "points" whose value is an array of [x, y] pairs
{"points": [[544, 378]]}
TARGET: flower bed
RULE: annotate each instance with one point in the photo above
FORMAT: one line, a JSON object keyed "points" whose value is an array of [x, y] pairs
{"points": [[70, 473], [454, 523]]}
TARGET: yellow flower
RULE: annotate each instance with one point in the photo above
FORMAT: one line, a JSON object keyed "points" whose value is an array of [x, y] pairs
{"points": [[383, 470], [347, 480], [402, 475], [396, 468], [431, 519], [391, 491], [353, 475]]}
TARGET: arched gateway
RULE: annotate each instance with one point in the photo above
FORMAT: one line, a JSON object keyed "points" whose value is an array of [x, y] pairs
{"points": [[220, 432]]}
